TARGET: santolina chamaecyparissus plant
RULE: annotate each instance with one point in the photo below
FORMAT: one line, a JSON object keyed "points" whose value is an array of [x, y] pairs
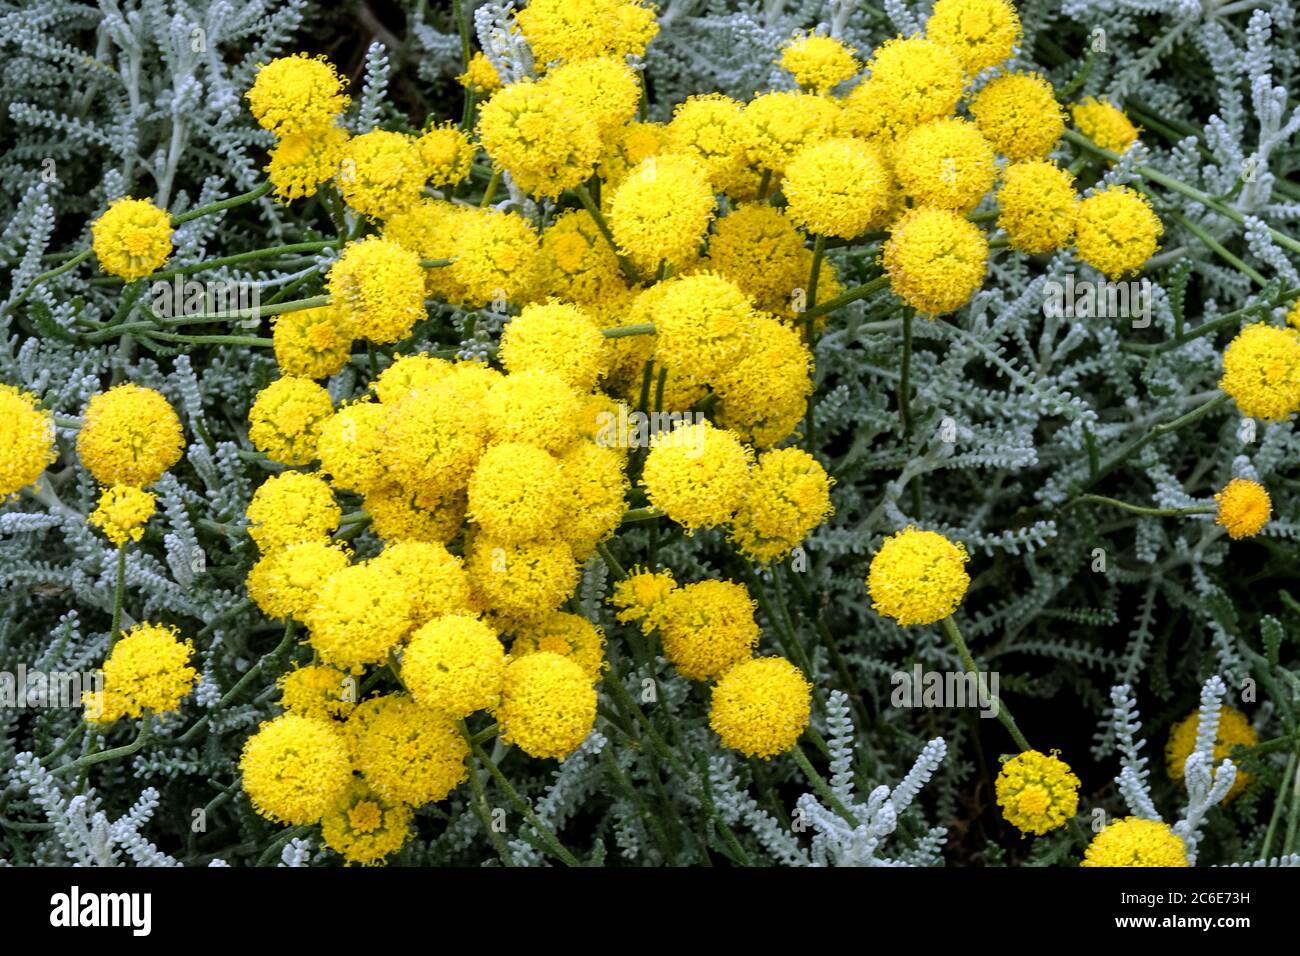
{"points": [[582, 432]]}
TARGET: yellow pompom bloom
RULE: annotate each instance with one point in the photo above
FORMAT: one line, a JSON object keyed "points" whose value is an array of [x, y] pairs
{"points": [[531, 131], [702, 324], [789, 495], [400, 515], [758, 248], [764, 394], [712, 129], [430, 229], [361, 612], [1244, 508], [312, 343], [297, 94], [548, 705], [576, 263], [568, 635], [818, 63], [455, 665], [1037, 206], [132, 238], [318, 691], [1261, 371], [26, 440], [640, 597], [521, 582], [935, 259], [839, 187], [557, 337], [1234, 730], [785, 122], [595, 480], [122, 513], [629, 147], [480, 75], [289, 508], [1116, 231], [148, 669], [912, 81], [284, 581], [433, 441], [497, 258], [1104, 124], [533, 407], [1293, 317], [350, 447], [381, 173], [517, 493], [433, 576], [378, 287], [662, 210], [363, 827], [698, 475], [706, 627], [761, 707], [981, 32], [1018, 113], [447, 154], [410, 373], [129, 436], [300, 162], [918, 577], [582, 29], [1037, 792], [408, 753], [286, 419], [603, 90], [945, 163], [1134, 841], [295, 768]]}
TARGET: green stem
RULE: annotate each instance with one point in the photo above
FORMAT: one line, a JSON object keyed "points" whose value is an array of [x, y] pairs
{"points": [[72, 263], [968, 662], [1217, 248], [853, 295], [251, 341], [253, 673], [481, 805], [1149, 512], [490, 190], [1222, 322], [822, 788], [142, 738], [625, 331], [119, 595], [589, 204], [1276, 816], [210, 208], [633, 515], [237, 258]]}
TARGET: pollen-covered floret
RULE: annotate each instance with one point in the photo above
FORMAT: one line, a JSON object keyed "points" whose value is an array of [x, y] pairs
{"points": [[945, 163], [132, 238], [789, 496], [295, 768], [1037, 205], [361, 612], [918, 577], [455, 665], [935, 259], [286, 419], [557, 337], [818, 63], [297, 94], [548, 705], [1037, 792], [661, 210], [312, 343], [122, 513], [760, 707], [130, 436], [981, 32], [1244, 508], [1116, 231], [1134, 841], [1018, 113], [697, 474], [291, 507], [1261, 371], [707, 627], [838, 187], [148, 669], [26, 440], [568, 635], [381, 173], [517, 493], [377, 286]]}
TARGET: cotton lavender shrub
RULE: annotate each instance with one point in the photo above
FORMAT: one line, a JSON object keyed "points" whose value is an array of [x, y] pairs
{"points": [[580, 432]]}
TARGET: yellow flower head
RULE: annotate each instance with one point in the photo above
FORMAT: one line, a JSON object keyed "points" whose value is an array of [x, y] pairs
{"points": [[497, 258], [381, 173], [918, 577], [785, 122], [764, 394], [433, 441], [1261, 371], [629, 147], [582, 29], [434, 578], [516, 493], [713, 130], [1037, 792], [1234, 730], [595, 481], [147, 669], [286, 419], [533, 407], [1134, 841], [789, 496], [1104, 124], [455, 665], [26, 440], [756, 247], [640, 596], [557, 337], [1018, 113], [548, 705], [132, 238], [480, 75], [981, 32], [1116, 231], [351, 444], [447, 154], [130, 436], [122, 513], [818, 63], [520, 583], [320, 692], [602, 90], [400, 515], [702, 323], [838, 187], [935, 259], [1244, 508], [577, 264], [365, 828], [1037, 206], [291, 507], [945, 163], [530, 130], [662, 210], [297, 94], [707, 627], [312, 343], [697, 474], [430, 229], [761, 707], [377, 286], [295, 768], [300, 162], [361, 612], [568, 635], [284, 581], [408, 753], [912, 81]]}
